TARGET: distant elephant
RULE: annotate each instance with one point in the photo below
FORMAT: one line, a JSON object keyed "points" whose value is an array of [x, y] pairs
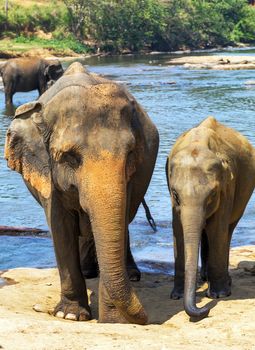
{"points": [[211, 176], [27, 74], [86, 150]]}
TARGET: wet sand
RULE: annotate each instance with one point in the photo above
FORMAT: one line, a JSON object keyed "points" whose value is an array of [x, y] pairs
{"points": [[230, 324]]}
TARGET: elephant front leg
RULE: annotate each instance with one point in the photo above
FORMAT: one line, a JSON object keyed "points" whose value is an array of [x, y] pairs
{"points": [[9, 89], [219, 281], [8, 97], [65, 231], [178, 289]]}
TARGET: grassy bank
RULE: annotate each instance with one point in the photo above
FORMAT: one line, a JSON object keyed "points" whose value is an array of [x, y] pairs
{"points": [[69, 27], [37, 27], [17, 48], [23, 46]]}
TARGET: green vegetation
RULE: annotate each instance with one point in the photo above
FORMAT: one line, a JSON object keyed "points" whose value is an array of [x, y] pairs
{"points": [[127, 25], [66, 43]]}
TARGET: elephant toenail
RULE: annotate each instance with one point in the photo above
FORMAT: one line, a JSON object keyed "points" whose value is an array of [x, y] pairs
{"points": [[84, 317], [71, 317], [60, 314]]}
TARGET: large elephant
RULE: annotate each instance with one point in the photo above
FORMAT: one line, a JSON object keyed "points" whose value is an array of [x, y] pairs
{"points": [[27, 74], [86, 150], [211, 176]]}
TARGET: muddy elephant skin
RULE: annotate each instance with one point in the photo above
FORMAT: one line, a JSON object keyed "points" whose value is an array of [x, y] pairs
{"points": [[86, 151], [211, 176], [27, 74]]}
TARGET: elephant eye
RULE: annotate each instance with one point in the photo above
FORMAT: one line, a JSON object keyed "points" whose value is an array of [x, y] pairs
{"points": [[72, 158], [212, 196], [175, 196]]}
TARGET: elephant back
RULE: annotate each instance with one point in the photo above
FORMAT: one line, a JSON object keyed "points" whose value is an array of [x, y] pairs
{"points": [[83, 79]]}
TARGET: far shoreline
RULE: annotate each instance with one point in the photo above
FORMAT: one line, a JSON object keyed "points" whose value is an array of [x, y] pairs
{"points": [[51, 54]]}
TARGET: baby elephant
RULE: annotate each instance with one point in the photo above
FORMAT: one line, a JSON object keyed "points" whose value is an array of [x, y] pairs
{"points": [[27, 74], [211, 176]]}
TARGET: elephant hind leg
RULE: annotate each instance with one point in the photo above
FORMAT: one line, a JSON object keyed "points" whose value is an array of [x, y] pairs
{"points": [[87, 248], [89, 263], [204, 257], [134, 273], [88, 257]]}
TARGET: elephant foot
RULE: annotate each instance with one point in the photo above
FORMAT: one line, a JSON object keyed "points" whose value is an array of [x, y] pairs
{"points": [[219, 289], [134, 273], [177, 293], [72, 310]]}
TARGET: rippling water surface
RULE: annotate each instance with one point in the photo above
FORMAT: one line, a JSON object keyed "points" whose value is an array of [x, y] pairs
{"points": [[176, 99]]}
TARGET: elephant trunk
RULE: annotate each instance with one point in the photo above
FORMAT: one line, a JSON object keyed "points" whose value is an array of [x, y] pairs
{"points": [[192, 221], [106, 198]]}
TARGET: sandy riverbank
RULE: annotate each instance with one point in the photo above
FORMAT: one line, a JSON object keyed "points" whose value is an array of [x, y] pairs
{"points": [[221, 62], [230, 324]]}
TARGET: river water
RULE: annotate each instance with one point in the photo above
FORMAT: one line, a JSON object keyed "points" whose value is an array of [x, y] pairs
{"points": [[176, 99]]}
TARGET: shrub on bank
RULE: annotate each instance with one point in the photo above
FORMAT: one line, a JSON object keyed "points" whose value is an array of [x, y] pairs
{"points": [[26, 20], [67, 43], [132, 25]]}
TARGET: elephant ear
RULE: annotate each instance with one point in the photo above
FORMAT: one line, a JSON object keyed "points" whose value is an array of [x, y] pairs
{"points": [[53, 72], [25, 149], [227, 166]]}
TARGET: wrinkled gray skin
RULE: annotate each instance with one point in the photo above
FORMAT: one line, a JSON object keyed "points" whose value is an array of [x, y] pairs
{"points": [[27, 74], [211, 176], [86, 151]]}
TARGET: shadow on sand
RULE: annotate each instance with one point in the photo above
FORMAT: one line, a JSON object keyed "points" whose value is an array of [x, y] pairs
{"points": [[154, 293]]}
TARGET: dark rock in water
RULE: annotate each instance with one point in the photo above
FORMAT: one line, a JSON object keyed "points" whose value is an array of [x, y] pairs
{"points": [[21, 231], [169, 83]]}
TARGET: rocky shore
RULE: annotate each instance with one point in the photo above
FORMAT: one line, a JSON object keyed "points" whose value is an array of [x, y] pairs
{"points": [[218, 62], [230, 324]]}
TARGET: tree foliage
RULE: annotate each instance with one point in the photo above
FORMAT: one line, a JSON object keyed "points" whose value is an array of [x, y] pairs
{"points": [[129, 24], [202, 24], [80, 15], [135, 25]]}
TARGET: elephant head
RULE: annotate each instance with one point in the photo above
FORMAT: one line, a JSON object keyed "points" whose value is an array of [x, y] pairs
{"points": [[53, 70], [198, 177], [86, 142]]}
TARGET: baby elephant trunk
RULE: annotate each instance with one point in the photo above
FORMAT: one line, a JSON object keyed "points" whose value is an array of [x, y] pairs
{"points": [[192, 221]]}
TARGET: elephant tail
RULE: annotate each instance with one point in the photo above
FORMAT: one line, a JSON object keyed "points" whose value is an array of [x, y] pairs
{"points": [[149, 216]]}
